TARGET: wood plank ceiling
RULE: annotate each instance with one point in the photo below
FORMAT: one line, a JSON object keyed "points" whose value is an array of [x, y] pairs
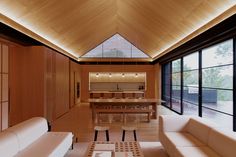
{"points": [[74, 27]]}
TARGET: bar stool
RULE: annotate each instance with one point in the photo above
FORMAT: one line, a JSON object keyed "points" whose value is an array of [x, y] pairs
{"points": [[129, 128], [101, 128]]}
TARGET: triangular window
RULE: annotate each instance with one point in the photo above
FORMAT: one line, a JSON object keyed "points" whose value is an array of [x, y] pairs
{"points": [[115, 47]]}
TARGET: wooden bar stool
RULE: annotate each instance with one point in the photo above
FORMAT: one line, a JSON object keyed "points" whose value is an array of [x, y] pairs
{"points": [[129, 128], [101, 128]]}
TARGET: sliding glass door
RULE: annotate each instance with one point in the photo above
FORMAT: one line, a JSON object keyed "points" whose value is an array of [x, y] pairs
{"points": [[217, 83], [201, 83], [176, 85], [190, 84]]}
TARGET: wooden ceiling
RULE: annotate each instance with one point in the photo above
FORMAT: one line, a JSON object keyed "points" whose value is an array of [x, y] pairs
{"points": [[74, 27]]}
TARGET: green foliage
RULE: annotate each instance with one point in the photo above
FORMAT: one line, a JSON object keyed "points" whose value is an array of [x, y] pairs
{"points": [[224, 50]]}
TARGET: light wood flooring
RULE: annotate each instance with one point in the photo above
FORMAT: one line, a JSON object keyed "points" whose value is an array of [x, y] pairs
{"points": [[78, 120]]}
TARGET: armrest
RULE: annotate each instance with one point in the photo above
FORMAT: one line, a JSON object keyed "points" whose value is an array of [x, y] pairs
{"points": [[172, 123]]}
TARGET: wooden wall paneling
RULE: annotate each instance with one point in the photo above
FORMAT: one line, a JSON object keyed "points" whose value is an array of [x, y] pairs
{"points": [[78, 80], [74, 79], [5, 54], [39, 83], [158, 80], [50, 85], [16, 54], [72, 84], [149, 69], [33, 82], [62, 85]]}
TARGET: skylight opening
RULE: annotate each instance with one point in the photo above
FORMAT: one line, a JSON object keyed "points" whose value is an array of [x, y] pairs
{"points": [[115, 47]]}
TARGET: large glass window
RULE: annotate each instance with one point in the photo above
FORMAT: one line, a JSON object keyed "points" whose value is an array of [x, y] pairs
{"points": [[190, 83], [216, 83], [176, 85], [115, 47], [166, 84]]}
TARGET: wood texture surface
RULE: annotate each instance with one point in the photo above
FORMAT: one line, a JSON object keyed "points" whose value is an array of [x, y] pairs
{"points": [[39, 83], [149, 69], [75, 27], [75, 79], [4, 86], [61, 85]]}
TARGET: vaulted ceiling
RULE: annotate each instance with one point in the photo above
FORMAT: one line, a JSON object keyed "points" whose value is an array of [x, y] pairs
{"points": [[74, 27]]}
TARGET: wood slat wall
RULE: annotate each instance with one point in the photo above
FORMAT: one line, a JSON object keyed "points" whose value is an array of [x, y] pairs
{"points": [[39, 83]]}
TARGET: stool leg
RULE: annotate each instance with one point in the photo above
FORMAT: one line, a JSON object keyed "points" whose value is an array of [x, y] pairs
{"points": [[123, 135], [95, 136], [135, 138], [107, 135]]}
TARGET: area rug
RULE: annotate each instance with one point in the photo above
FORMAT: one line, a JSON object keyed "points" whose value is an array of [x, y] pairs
{"points": [[150, 149]]}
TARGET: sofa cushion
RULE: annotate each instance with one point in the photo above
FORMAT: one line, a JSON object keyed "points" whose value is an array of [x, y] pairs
{"points": [[173, 123], [195, 152], [8, 144], [198, 129], [51, 144], [29, 131], [167, 144], [183, 139], [223, 141]]}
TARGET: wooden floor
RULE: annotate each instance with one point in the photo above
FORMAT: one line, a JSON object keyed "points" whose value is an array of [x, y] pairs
{"points": [[79, 121]]}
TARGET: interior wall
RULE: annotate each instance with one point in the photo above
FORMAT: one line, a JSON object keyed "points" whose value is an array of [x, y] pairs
{"points": [[16, 110], [149, 69], [75, 83], [158, 80], [39, 82], [62, 85], [26, 83]]}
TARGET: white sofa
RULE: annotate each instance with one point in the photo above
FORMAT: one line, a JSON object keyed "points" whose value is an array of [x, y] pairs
{"points": [[184, 136], [32, 139]]}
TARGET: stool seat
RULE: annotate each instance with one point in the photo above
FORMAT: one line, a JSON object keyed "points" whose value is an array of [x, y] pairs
{"points": [[128, 128], [101, 128]]}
